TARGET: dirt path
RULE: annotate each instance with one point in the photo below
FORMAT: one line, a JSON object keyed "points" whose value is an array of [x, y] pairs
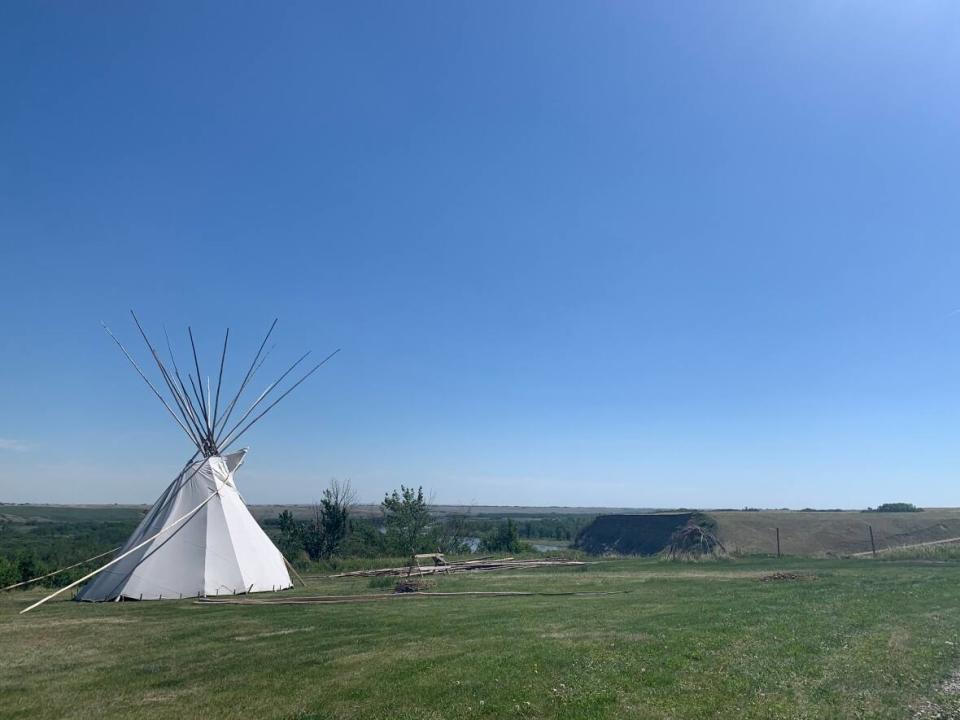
{"points": [[902, 547]]}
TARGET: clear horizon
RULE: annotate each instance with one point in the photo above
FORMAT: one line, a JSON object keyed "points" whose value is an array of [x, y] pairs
{"points": [[482, 508], [607, 255]]}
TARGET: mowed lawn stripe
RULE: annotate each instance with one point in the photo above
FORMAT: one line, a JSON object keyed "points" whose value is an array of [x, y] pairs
{"points": [[842, 639]]}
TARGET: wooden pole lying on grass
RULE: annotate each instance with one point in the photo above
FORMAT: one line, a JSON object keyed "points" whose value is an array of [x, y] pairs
{"points": [[344, 599], [465, 566]]}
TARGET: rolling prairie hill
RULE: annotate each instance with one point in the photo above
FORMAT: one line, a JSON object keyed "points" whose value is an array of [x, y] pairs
{"points": [[837, 533], [751, 532]]}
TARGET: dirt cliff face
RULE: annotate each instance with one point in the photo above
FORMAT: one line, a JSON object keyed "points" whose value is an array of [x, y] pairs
{"points": [[631, 534]]}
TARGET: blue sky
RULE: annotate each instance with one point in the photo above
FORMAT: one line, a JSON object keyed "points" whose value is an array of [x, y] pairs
{"points": [[626, 254]]}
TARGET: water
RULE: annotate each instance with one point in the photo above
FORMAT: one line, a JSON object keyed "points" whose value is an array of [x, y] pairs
{"points": [[547, 548]]}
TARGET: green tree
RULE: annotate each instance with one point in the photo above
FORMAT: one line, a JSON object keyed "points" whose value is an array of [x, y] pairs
{"points": [[27, 566], [364, 539], [323, 535], [405, 518], [8, 572], [312, 534], [504, 538], [288, 526], [450, 535], [291, 536], [334, 516], [898, 507]]}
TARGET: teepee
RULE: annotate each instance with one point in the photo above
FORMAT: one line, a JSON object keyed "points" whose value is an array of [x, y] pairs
{"points": [[199, 538], [218, 550]]}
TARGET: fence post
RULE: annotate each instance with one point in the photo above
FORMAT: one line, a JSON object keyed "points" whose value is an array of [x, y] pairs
{"points": [[778, 542], [873, 546]]}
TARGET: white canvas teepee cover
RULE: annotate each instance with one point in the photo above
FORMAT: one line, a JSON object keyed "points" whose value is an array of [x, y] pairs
{"points": [[219, 550]]}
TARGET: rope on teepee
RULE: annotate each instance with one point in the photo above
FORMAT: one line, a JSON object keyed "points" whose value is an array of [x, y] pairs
{"points": [[121, 557], [55, 572]]}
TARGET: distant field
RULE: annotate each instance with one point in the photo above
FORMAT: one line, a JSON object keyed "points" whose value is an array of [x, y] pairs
{"points": [[836, 639], [71, 513]]}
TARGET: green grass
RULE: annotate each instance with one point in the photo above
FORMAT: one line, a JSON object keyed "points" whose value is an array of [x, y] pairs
{"points": [[863, 639]]}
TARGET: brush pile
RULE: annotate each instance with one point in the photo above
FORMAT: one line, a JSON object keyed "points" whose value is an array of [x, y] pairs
{"points": [[786, 576], [693, 540], [480, 565], [412, 585]]}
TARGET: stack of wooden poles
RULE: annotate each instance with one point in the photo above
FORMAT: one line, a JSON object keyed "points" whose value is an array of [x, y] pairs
{"points": [[479, 565]]}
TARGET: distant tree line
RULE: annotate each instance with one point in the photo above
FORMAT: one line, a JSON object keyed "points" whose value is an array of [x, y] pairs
{"points": [[33, 548], [334, 531], [330, 533], [895, 507], [406, 526]]}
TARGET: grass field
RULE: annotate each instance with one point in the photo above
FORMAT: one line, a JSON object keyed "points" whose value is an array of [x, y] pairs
{"points": [[848, 639]]}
